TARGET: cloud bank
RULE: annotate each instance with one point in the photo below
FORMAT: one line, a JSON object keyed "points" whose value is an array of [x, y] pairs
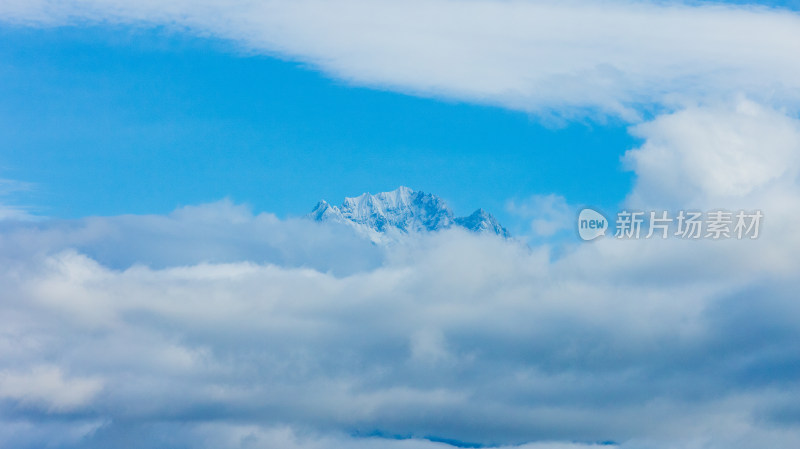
{"points": [[171, 331], [546, 57]]}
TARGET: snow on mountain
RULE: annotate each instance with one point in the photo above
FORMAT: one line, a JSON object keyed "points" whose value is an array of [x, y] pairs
{"points": [[482, 222], [402, 211]]}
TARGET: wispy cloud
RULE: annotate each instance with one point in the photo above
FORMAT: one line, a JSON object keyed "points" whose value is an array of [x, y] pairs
{"points": [[211, 233], [546, 214], [538, 56], [47, 387], [9, 209]]}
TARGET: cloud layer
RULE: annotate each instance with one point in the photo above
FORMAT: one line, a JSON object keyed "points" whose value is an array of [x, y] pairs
{"points": [[546, 57], [456, 337], [173, 331]]}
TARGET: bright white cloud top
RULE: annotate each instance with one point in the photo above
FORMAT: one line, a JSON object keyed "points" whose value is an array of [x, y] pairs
{"points": [[538, 56]]}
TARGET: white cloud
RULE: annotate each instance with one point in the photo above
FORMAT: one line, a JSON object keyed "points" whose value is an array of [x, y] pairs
{"points": [[14, 213], [217, 232], [729, 155], [732, 156], [548, 214], [537, 56], [46, 386], [244, 330], [454, 336]]}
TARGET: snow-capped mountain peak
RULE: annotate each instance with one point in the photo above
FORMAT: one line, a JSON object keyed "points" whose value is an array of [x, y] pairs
{"points": [[403, 210], [481, 221]]}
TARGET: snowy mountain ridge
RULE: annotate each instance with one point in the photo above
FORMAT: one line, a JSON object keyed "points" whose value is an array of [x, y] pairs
{"points": [[403, 211]]}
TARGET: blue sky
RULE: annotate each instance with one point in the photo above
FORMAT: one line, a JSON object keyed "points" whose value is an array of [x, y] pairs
{"points": [[111, 120], [107, 119]]}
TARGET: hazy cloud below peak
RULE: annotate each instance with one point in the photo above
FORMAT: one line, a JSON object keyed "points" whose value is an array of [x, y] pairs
{"points": [[211, 233], [596, 346]]}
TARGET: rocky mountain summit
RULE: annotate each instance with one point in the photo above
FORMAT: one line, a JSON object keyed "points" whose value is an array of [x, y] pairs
{"points": [[403, 211]]}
